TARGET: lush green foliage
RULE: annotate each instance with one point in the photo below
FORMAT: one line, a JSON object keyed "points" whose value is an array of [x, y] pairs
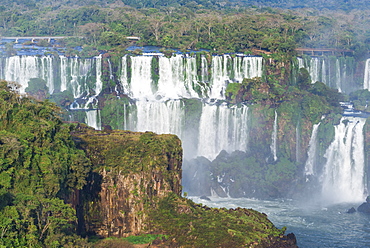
{"points": [[189, 25], [192, 225], [39, 166], [360, 99]]}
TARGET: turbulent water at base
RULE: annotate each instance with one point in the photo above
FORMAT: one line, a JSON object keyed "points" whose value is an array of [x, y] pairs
{"points": [[315, 226], [344, 172]]}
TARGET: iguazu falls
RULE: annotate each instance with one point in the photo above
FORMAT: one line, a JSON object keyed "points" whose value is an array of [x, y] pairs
{"points": [[186, 95], [184, 124]]}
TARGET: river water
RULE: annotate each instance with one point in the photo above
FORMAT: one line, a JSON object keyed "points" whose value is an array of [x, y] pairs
{"points": [[314, 225]]}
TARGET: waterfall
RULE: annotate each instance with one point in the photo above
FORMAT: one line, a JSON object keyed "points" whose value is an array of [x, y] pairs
{"points": [[252, 67], [124, 77], [343, 177], [309, 168], [204, 69], [160, 117], [219, 76], [273, 145], [323, 72], [314, 69], [222, 128], [63, 73], [367, 75], [177, 75], [98, 86], [338, 77], [21, 69], [141, 80], [300, 63], [335, 72], [93, 119]]}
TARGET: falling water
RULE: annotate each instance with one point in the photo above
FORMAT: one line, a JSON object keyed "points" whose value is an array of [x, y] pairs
{"points": [[343, 176], [93, 119], [273, 145], [141, 80], [338, 78], [160, 117], [309, 168], [177, 75], [21, 69], [124, 77], [219, 76], [98, 84], [367, 75], [222, 128]]}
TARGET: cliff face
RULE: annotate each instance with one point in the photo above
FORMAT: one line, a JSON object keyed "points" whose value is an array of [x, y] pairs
{"points": [[129, 171]]}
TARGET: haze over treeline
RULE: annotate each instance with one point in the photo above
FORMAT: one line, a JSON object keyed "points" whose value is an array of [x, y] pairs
{"points": [[320, 4], [194, 24]]}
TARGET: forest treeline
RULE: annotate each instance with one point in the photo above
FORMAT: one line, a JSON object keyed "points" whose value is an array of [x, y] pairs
{"points": [[189, 25]]}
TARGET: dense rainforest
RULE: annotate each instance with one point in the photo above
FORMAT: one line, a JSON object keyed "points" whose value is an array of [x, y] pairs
{"points": [[190, 25]]}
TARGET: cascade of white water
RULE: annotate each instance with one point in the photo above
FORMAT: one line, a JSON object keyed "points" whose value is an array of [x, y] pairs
{"points": [[273, 145], [323, 72], [204, 69], [309, 168], [246, 67], [111, 76], [300, 63], [141, 78], [222, 128], [47, 72], [160, 117], [297, 143], [98, 86], [190, 77], [176, 77], [338, 77], [219, 76], [343, 176], [79, 72], [92, 119], [124, 77], [314, 69], [21, 69], [367, 75], [237, 69], [63, 73], [252, 67]]}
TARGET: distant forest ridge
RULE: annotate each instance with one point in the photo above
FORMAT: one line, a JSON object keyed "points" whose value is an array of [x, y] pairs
{"points": [[214, 4]]}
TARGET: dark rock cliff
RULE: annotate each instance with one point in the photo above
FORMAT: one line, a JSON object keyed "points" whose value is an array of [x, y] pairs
{"points": [[129, 169]]}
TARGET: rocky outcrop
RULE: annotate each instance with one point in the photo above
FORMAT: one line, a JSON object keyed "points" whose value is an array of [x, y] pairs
{"points": [[129, 170], [135, 188], [365, 207]]}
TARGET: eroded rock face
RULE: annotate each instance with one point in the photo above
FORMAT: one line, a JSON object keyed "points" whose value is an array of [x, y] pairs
{"points": [[129, 171]]}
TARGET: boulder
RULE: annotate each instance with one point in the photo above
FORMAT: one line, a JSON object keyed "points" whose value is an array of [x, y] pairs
{"points": [[351, 210], [365, 207]]}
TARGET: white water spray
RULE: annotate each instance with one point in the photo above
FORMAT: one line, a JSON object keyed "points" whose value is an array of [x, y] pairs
{"points": [[309, 168], [273, 145], [343, 177]]}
